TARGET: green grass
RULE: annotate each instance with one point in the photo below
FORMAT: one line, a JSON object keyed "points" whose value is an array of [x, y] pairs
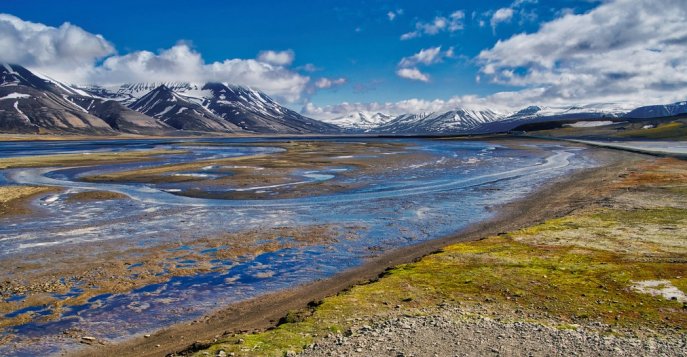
{"points": [[672, 130]]}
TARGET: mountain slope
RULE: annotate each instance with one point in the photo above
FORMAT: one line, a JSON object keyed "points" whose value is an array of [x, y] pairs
{"points": [[30, 104], [255, 112], [655, 111], [180, 113]]}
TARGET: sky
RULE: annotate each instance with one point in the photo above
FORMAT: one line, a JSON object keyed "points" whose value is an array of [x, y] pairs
{"points": [[328, 58]]}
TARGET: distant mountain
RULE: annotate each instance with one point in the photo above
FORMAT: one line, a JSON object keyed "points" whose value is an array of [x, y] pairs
{"points": [[452, 121], [654, 111], [361, 121], [34, 103], [540, 114], [476, 119]]}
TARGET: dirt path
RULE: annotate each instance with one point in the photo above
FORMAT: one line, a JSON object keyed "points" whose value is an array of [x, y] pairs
{"points": [[554, 200]]}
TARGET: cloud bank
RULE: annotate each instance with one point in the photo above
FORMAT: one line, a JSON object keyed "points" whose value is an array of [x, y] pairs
{"points": [[623, 50]]}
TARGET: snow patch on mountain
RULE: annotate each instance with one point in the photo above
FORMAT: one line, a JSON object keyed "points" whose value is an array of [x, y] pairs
{"points": [[459, 119], [361, 120]]}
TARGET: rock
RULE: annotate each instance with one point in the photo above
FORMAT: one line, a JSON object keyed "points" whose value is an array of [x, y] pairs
{"points": [[88, 339]]}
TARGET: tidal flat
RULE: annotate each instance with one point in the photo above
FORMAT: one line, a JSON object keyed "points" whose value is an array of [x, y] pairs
{"points": [[123, 238]]}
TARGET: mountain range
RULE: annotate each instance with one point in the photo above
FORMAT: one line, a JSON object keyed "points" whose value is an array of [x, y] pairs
{"points": [[34, 103], [482, 120]]}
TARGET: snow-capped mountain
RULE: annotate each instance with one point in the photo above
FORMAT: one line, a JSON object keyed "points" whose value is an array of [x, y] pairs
{"points": [[476, 119], [254, 111], [608, 110], [361, 121], [180, 112], [452, 121], [213, 107], [538, 114], [654, 111], [32, 103]]}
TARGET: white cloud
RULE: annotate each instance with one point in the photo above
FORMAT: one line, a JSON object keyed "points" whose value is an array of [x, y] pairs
{"points": [[180, 62], [393, 14], [426, 56], [323, 83], [501, 15], [407, 67], [74, 55], [57, 50], [622, 50], [277, 58], [412, 73], [452, 23]]}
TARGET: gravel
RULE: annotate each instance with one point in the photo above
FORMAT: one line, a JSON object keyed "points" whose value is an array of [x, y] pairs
{"points": [[450, 334]]}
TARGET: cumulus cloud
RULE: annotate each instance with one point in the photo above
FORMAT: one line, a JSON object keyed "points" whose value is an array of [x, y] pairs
{"points": [[181, 62], [519, 9], [407, 67], [74, 55], [413, 74], [452, 23], [622, 50], [277, 58], [501, 15], [57, 50]]}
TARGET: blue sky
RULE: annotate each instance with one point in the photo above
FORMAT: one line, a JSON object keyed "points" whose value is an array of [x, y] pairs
{"points": [[336, 51]]}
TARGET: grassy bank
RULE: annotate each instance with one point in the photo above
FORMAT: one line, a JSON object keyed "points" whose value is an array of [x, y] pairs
{"points": [[618, 267]]}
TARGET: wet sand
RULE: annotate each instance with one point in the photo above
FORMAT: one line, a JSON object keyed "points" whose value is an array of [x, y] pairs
{"points": [[554, 200]]}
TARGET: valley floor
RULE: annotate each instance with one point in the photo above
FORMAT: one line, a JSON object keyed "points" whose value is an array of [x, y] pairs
{"points": [[608, 277]]}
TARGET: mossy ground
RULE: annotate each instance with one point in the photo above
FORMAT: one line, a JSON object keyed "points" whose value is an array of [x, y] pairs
{"points": [[566, 272]]}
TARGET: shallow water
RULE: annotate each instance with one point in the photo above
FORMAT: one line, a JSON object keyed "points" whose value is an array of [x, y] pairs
{"points": [[459, 184]]}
